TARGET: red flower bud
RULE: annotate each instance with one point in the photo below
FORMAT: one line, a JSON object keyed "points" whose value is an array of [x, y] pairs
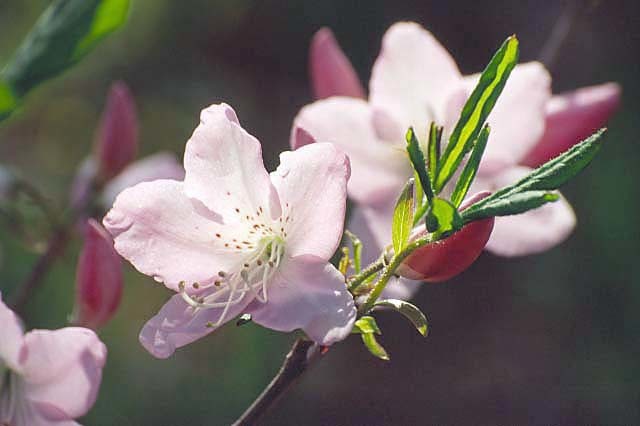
{"points": [[447, 258], [116, 142], [331, 71], [99, 278]]}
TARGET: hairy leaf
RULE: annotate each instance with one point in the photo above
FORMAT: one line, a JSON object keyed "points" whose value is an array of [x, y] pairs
{"points": [[477, 109], [410, 311], [64, 33], [403, 217], [471, 168]]}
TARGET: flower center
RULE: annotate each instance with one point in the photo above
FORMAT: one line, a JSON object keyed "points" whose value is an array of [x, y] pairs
{"points": [[251, 276]]}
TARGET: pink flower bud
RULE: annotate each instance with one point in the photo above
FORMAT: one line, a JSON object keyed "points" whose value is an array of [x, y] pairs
{"points": [[331, 71], [99, 278], [573, 116], [117, 138], [447, 258]]}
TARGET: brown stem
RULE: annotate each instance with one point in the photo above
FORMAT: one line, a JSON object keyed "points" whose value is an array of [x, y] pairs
{"points": [[302, 355], [55, 248]]}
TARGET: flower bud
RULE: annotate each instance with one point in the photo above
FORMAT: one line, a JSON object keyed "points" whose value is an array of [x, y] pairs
{"points": [[572, 117], [116, 142], [444, 259], [331, 71], [99, 278]]}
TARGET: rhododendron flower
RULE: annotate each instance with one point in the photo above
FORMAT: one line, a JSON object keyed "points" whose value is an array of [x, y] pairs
{"points": [[47, 377], [415, 81], [232, 238]]}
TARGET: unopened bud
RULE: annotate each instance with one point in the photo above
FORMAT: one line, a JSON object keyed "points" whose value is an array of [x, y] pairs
{"points": [[116, 142], [99, 278], [444, 259], [331, 71]]}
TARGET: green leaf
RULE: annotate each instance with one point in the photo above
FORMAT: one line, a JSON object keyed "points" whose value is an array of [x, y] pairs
{"points": [[8, 101], [366, 325], [374, 347], [442, 217], [410, 311], [420, 201], [403, 217], [64, 33], [471, 168], [419, 164], [477, 109], [343, 264], [433, 149], [510, 204], [550, 176]]}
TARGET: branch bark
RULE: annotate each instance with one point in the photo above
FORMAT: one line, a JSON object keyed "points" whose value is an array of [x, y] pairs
{"points": [[303, 354]]}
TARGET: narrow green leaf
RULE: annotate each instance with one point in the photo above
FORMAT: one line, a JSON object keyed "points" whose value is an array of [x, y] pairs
{"points": [[442, 217], [366, 325], [433, 149], [8, 101], [551, 175], [510, 204], [403, 217], [419, 164], [374, 347], [410, 311], [477, 109], [420, 200], [471, 168], [64, 33]]}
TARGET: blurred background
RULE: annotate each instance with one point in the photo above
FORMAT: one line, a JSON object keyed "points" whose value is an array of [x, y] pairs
{"points": [[546, 339]]}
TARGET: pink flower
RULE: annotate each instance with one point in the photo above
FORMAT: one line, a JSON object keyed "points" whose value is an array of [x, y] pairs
{"points": [[415, 80], [232, 238], [47, 377], [99, 278]]}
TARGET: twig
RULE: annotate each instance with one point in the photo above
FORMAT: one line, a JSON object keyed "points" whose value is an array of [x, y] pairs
{"points": [[302, 355], [55, 248]]}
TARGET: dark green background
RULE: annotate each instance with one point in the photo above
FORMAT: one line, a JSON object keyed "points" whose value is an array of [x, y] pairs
{"points": [[547, 339]]}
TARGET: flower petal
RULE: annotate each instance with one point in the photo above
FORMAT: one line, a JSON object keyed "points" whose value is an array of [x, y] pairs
{"points": [[378, 169], [309, 294], [528, 233], [413, 76], [224, 167], [178, 324], [162, 165], [169, 236], [11, 337], [331, 72], [312, 183], [518, 118], [62, 370], [573, 116]]}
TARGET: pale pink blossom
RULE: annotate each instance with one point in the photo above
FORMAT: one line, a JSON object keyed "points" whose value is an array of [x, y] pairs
{"points": [[47, 377], [232, 238], [414, 81], [99, 279]]}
